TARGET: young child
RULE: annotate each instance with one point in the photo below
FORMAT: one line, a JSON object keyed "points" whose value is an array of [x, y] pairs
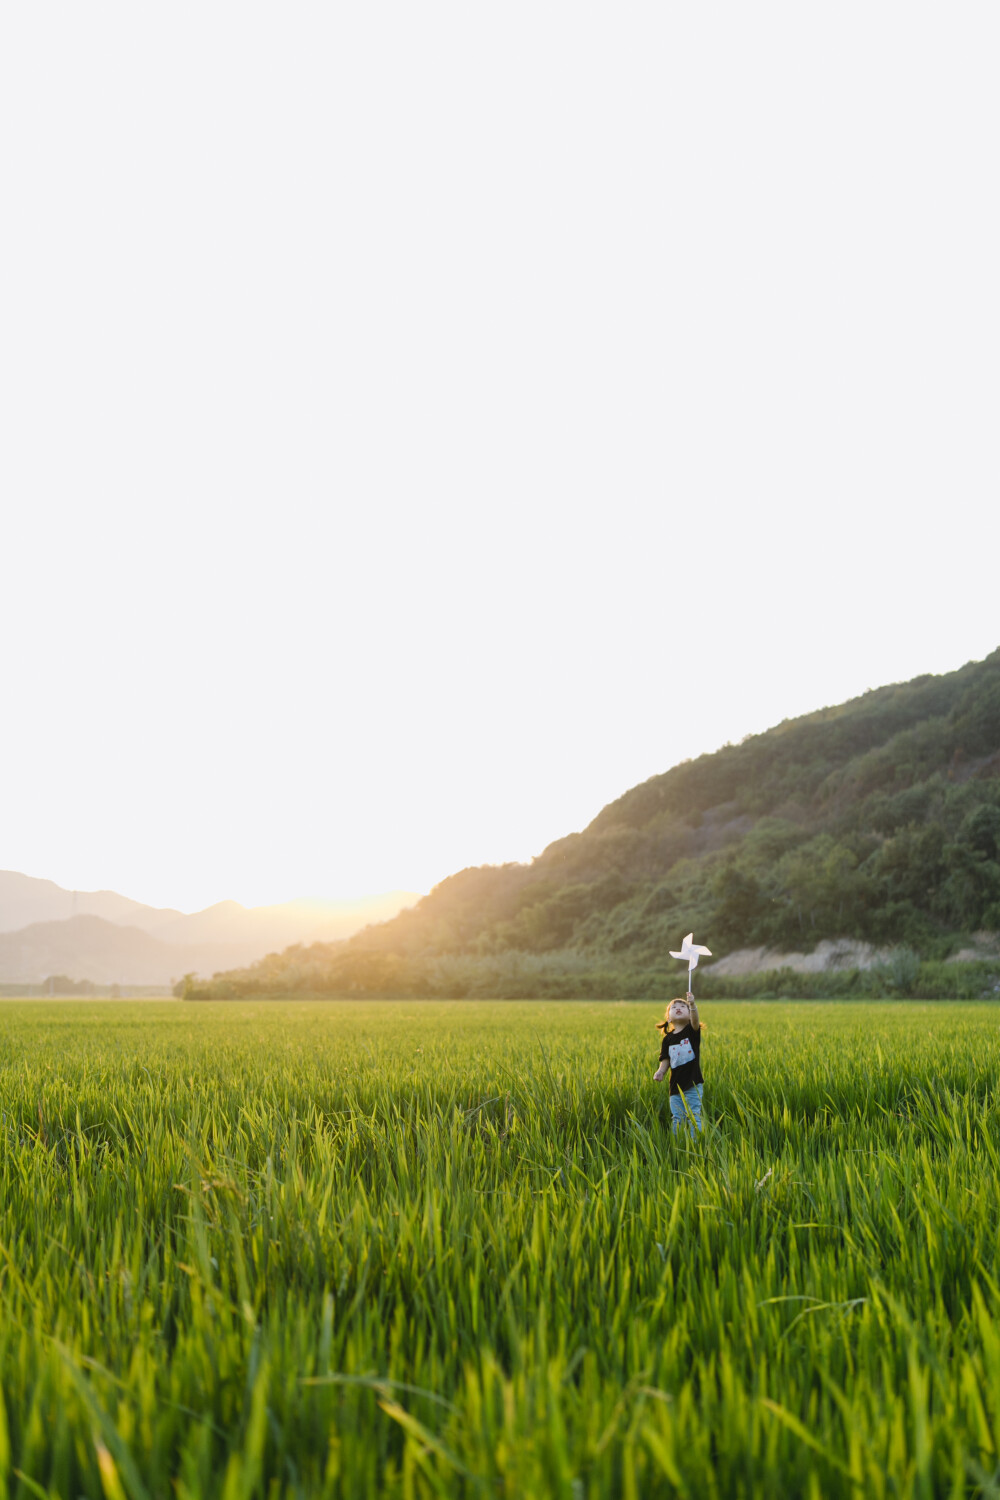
{"points": [[681, 1054]]}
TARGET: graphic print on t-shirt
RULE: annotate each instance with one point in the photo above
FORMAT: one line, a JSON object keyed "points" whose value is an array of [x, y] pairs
{"points": [[680, 1053]]}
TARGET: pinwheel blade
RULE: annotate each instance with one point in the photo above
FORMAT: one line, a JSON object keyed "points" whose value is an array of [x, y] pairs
{"points": [[691, 951]]}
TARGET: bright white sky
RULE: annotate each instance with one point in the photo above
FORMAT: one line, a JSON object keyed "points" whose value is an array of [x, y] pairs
{"points": [[424, 422]]}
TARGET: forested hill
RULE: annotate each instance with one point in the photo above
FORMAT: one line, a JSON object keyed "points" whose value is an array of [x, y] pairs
{"points": [[877, 819]]}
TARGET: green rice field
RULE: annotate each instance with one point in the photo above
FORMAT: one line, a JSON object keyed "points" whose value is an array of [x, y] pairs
{"points": [[452, 1249]]}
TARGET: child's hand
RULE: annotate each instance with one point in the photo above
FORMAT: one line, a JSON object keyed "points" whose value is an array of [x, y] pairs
{"points": [[660, 1073]]}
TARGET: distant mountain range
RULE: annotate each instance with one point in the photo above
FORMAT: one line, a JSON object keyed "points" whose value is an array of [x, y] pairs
{"points": [[107, 938]]}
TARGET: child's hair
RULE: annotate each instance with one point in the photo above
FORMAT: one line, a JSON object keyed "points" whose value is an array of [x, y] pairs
{"points": [[666, 1025]]}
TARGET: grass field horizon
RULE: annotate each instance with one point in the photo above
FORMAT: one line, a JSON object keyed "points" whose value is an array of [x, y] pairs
{"points": [[252, 1248]]}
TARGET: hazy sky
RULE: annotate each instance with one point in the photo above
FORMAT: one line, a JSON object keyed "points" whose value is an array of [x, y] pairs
{"points": [[424, 422]]}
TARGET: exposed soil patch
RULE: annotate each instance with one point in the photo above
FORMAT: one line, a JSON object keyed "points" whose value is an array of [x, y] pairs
{"points": [[985, 945], [835, 953]]}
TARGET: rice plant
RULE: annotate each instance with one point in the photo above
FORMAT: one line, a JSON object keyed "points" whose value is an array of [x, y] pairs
{"points": [[431, 1249]]}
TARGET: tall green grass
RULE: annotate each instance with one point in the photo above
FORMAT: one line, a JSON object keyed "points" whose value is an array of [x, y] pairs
{"points": [[428, 1249]]}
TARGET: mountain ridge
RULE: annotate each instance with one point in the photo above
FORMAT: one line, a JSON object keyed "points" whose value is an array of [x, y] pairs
{"points": [[876, 819], [59, 936], [26, 899], [91, 948]]}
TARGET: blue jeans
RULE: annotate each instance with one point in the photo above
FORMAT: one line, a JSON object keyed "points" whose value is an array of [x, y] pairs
{"points": [[686, 1107]]}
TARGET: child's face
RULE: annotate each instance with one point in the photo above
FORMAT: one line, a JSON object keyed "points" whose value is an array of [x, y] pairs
{"points": [[678, 1013]]}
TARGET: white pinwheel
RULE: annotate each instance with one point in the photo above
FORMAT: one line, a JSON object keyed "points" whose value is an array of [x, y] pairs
{"points": [[692, 951]]}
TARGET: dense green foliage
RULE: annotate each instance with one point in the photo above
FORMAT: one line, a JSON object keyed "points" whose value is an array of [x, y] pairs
{"points": [[569, 976], [412, 1250], [879, 819]]}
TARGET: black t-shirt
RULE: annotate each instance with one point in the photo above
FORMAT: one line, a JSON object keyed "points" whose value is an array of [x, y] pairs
{"points": [[682, 1050]]}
